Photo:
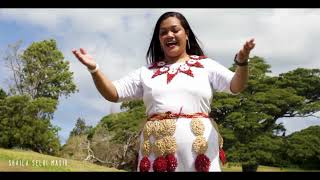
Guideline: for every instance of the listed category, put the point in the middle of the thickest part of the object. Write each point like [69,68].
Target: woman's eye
[162,32]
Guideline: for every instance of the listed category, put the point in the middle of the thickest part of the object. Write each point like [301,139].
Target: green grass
[233,167]
[21,160]
[25,161]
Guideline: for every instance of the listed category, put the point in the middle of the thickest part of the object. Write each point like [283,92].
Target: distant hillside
[20,160]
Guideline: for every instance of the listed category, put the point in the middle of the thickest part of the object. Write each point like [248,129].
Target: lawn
[233,167]
[21,160]
[25,161]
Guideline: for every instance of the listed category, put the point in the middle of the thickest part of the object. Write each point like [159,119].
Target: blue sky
[118,39]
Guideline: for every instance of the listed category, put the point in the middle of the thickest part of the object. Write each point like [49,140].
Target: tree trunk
[249,167]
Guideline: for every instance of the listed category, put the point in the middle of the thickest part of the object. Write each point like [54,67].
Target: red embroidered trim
[160,71]
[196,64]
[172,72]
[197,57]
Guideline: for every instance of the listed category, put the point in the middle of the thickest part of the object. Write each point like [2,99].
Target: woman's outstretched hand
[243,54]
[85,58]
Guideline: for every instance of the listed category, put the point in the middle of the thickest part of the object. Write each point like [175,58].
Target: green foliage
[80,128]
[263,152]
[248,120]
[305,81]
[3,94]
[114,140]
[128,105]
[302,148]
[125,123]
[75,148]
[123,130]
[40,76]
[25,123]
[41,71]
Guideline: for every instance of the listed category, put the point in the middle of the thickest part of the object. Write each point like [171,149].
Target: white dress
[189,90]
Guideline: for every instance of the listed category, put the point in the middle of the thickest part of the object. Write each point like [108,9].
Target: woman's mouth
[171,44]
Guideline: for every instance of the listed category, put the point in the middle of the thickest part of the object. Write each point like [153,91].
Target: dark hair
[155,53]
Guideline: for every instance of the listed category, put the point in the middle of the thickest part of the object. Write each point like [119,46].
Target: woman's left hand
[243,54]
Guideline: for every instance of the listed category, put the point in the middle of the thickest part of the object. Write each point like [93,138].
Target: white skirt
[184,154]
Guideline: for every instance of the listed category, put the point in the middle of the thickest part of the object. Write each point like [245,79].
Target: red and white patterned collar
[172,71]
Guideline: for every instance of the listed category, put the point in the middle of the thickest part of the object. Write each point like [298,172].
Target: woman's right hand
[85,58]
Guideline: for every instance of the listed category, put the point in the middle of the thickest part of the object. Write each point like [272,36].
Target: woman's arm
[240,79]
[105,86]
[102,83]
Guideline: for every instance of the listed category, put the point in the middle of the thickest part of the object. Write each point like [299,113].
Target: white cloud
[279,32]
[40,17]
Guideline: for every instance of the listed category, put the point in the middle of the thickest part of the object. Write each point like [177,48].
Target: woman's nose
[170,33]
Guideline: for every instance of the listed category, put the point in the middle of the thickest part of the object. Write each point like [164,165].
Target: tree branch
[14,64]
[311,115]
[91,155]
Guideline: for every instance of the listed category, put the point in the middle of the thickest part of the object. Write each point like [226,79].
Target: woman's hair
[155,53]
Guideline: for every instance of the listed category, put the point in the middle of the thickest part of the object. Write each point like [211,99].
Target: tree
[3,94]
[306,83]
[113,141]
[14,64]
[40,70]
[248,120]
[302,148]
[40,75]
[80,128]
[75,148]
[25,123]
[129,105]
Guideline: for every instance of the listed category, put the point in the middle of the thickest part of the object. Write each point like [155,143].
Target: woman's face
[172,37]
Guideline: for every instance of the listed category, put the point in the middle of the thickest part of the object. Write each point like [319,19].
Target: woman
[177,87]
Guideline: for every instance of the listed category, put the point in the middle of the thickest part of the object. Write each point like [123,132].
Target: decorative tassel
[145,164]
[172,163]
[202,163]
[222,156]
[160,164]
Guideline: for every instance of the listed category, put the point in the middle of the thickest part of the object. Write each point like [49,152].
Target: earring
[188,43]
